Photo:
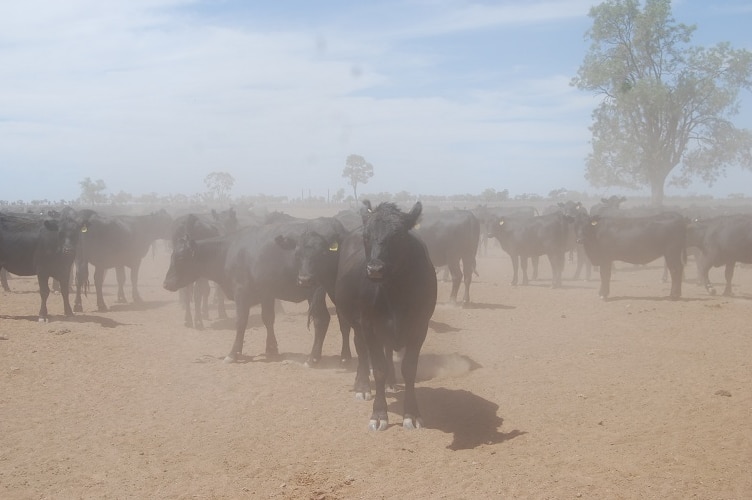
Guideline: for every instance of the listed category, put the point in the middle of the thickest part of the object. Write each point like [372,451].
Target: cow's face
[585,226]
[494,227]
[183,265]
[67,231]
[386,236]
[313,255]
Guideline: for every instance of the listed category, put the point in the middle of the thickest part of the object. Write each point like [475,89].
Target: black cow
[316,258]
[386,288]
[119,241]
[488,215]
[252,269]
[608,206]
[452,236]
[523,237]
[573,210]
[201,226]
[637,240]
[46,248]
[723,241]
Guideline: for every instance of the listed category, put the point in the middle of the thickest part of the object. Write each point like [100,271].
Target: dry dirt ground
[527,393]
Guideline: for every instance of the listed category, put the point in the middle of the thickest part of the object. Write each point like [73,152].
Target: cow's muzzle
[305,280]
[375,271]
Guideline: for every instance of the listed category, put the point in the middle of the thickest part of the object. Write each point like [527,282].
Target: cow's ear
[413,215]
[51,224]
[285,242]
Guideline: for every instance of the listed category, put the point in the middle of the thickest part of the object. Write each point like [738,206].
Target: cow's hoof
[42,320]
[230,359]
[363,396]
[412,423]
[78,308]
[378,423]
[311,362]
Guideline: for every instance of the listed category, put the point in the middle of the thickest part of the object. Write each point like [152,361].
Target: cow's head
[183,265]
[315,255]
[585,226]
[494,226]
[386,236]
[66,231]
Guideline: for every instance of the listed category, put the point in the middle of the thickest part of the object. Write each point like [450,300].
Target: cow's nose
[375,270]
[305,280]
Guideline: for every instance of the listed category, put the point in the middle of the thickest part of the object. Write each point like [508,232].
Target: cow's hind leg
[134,283]
[454,270]
[267,316]
[676,270]
[242,309]
[120,276]
[98,282]
[44,292]
[605,270]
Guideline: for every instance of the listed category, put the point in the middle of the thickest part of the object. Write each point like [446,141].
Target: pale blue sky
[441,96]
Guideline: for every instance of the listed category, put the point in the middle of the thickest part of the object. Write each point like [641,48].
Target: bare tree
[357,170]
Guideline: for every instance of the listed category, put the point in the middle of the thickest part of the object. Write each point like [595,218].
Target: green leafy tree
[357,171]
[666,104]
[92,192]
[219,185]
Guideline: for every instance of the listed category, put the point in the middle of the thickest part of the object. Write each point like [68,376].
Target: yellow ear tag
[594,223]
[501,222]
[84,229]
[334,247]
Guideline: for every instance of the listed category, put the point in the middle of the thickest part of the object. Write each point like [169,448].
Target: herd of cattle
[378,266]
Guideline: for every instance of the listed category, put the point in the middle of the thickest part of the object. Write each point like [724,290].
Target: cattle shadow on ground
[471,419]
[100,320]
[439,327]
[78,318]
[483,305]
[138,306]
[664,298]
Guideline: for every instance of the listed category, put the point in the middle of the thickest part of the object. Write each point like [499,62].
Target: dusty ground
[529,393]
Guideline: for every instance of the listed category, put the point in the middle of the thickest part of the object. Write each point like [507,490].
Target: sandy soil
[528,393]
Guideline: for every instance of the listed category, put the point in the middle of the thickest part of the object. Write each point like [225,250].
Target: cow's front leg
[44,292]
